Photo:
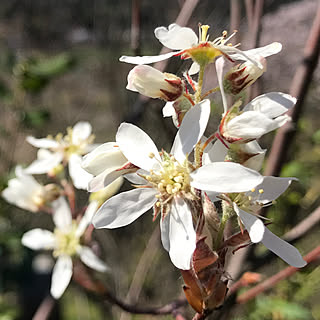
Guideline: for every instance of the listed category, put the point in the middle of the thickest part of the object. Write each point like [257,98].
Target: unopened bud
[242,76]
[152,83]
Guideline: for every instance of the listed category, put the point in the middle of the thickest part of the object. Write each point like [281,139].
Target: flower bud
[242,76]
[152,83]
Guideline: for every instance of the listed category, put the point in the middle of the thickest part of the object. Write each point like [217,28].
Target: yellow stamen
[204,31]
[261,191]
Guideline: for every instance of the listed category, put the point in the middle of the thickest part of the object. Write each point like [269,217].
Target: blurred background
[59,65]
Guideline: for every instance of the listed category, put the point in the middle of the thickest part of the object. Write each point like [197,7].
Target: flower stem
[209,92]
[200,84]
[227,212]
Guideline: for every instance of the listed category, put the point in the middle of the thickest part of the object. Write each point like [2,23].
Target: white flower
[65,243]
[26,193]
[168,182]
[152,83]
[246,204]
[190,46]
[67,149]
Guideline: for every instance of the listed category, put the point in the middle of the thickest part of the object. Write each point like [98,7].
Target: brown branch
[235,16]
[304,226]
[272,281]
[299,88]
[44,310]
[82,276]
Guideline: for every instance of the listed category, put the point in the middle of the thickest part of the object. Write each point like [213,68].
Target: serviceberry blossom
[25,192]
[201,50]
[62,150]
[65,242]
[168,182]
[247,205]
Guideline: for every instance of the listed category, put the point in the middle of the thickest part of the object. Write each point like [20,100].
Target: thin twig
[142,269]
[135,27]
[272,281]
[299,87]
[45,308]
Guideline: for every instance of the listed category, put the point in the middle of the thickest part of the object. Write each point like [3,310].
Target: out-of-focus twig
[235,16]
[299,87]
[82,276]
[44,309]
[272,281]
[135,27]
[143,266]
[304,226]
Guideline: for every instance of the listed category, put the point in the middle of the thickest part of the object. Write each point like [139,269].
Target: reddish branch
[272,281]
[299,88]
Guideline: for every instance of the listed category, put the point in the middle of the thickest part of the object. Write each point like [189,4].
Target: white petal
[225,177]
[283,249]
[219,67]
[61,214]
[272,188]
[191,130]
[80,177]
[46,161]
[135,178]
[147,59]
[272,104]
[88,257]
[106,156]
[38,239]
[176,37]
[105,179]
[182,236]
[194,69]
[87,217]
[165,231]
[253,224]
[61,276]
[42,143]
[124,208]
[265,51]
[217,153]
[81,131]
[249,125]
[168,109]
[137,146]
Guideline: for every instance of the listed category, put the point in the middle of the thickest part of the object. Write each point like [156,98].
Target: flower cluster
[57,198]
[204,180]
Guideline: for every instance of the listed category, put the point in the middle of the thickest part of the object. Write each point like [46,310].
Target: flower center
[67,241]
[248,201]
[171,179]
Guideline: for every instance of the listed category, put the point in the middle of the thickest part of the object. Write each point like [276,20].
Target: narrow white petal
[165,231]
[272,188]
[253,224]
[46,161]
[168,109]
[81,131]
[87,217]
[105,179]
[191,130]
[124,208]
[176,37]
[272,104]
[283,249]
[137,146]
[80,177]
[217,153]
[194,69]
[38,239]
[61,214]
[266,51]
[219,67]
[182,236]
[61,276]
[249,125]
[89,258]
[147,59]
[42,143]
[135,178]
[225,177]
